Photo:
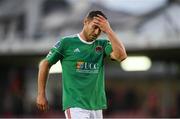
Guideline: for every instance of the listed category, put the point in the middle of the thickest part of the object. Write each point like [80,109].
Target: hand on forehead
[99,17]
[99,20]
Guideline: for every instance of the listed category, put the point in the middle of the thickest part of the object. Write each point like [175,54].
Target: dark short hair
[93,14]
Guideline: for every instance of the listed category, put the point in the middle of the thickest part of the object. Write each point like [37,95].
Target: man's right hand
[42,103]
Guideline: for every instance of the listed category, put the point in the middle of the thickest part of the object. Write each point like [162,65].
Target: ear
[85,21]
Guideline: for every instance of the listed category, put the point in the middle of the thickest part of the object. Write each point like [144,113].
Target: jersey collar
[82,40]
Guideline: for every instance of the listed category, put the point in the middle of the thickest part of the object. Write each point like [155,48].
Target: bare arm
[41,101]
[119,52]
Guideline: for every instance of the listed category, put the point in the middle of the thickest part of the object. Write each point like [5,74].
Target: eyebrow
[95,26]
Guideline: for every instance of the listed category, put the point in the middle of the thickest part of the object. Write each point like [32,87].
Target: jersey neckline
[82,40]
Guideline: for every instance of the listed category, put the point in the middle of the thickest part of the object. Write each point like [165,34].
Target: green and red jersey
[82,71]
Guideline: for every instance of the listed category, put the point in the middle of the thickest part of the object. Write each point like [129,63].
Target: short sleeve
[108,48]
[56,53]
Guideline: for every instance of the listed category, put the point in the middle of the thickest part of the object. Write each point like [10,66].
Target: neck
[83,36]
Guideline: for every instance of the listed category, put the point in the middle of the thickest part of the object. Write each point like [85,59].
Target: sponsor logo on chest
[87,67]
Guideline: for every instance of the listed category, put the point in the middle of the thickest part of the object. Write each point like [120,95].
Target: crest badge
[98,49]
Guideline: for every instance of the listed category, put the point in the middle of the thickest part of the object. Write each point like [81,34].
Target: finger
[97,24]
[39,107]
[101,17]
[46,107]
[98,18]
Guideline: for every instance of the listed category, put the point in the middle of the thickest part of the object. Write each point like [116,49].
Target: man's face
[91,30]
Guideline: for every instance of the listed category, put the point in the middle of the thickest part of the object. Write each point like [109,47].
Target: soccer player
[81,56]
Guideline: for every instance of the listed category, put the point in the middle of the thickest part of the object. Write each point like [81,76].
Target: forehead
[91,21]
[92,24]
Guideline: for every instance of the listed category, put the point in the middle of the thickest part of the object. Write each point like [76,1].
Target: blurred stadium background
[144,85]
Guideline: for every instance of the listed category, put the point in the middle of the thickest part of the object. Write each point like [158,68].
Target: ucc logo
[87,66]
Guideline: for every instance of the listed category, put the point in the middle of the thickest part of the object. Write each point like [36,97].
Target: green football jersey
[82,71]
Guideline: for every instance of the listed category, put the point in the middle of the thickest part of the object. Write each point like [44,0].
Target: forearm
[119,52]
[42,77]
[117,46]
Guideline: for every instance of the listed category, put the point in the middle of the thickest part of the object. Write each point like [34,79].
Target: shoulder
[66,39]
[102,41]
[70,37]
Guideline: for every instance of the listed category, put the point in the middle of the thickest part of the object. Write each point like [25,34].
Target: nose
[97,31]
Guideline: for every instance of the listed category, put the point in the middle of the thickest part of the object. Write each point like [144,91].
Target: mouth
[93,37]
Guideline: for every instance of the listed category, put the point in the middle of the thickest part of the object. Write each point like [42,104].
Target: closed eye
[95,27]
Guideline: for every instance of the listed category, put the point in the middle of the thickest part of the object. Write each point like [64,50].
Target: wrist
[109,32]
[41,94]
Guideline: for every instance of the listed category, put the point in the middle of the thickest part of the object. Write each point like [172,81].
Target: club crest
[99,49]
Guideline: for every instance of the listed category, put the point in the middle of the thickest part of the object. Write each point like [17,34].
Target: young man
[82,58]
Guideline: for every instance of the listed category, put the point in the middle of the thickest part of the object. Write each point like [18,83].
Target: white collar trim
[82,40]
